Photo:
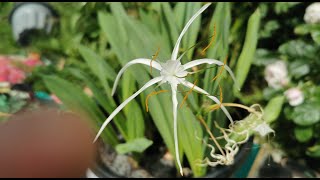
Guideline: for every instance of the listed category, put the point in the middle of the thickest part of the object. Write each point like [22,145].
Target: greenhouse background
[160,89]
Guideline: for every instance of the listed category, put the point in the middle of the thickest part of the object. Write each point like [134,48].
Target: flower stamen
[154,57]
[186,96]
[211,135]
[151,94]
[218,106]
[212,39]
[221,70]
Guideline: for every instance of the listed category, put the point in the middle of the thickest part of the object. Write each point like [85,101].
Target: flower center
[172,71]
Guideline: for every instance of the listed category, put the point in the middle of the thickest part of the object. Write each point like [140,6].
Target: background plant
[298,47]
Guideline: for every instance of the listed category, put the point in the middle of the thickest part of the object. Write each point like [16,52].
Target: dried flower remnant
[237,134]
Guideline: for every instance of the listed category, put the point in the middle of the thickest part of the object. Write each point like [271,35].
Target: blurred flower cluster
[276,75]
[14,69]
[13,72]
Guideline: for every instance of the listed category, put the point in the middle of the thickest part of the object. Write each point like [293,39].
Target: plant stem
[211,135]
[240,106]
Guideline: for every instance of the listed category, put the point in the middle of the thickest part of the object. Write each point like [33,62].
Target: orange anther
[186,96]
[151,94]
[153,58]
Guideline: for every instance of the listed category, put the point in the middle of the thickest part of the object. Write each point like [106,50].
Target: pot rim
[18,5]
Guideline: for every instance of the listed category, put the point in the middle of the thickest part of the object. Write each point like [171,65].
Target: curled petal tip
[181,172]
[95,139]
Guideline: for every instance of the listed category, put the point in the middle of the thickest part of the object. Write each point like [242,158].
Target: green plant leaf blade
[136,145]
[248,51]
[303,134]
[273,109]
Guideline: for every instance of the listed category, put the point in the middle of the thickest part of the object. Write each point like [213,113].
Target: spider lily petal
[176,47]
[211,61]
[155,65]
[216,100]
[175,125]
[122,105]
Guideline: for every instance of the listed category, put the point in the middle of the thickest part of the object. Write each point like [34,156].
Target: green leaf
[303,134]
[106,101]
[316,36]
[306,114]
[264,57]
[299,68]
[169,23]
[314,151]
[73,98]
[97,65]
[273,109]
[297,48]
[283,7]
[248,51]
[220,47]
[135,120]
[183,12]
[137,145]
[304,29]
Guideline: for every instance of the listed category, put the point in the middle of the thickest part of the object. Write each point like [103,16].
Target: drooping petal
[175,125]
[263,129]
[176,47]
[216,100]
[122,105]
[155,65]
[211,61]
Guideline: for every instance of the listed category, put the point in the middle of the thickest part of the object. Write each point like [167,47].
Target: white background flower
[294,96]
[312,14]
[276,74]
[173,73]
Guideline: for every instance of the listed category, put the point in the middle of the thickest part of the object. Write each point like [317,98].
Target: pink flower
[16,75]
[33,60]
[4,69]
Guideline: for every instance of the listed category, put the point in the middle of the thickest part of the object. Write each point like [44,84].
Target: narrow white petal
[122,105]
[216,100]
[201,61]
[155,65]
[211,61]
[176,47]
[175,125]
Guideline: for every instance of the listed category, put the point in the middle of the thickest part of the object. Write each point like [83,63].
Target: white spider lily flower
[312,14]
[173,73]
[276,74]
[294,96]
[263,129]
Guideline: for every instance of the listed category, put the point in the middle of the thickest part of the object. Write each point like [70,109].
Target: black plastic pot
[26,18]
[217,172]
